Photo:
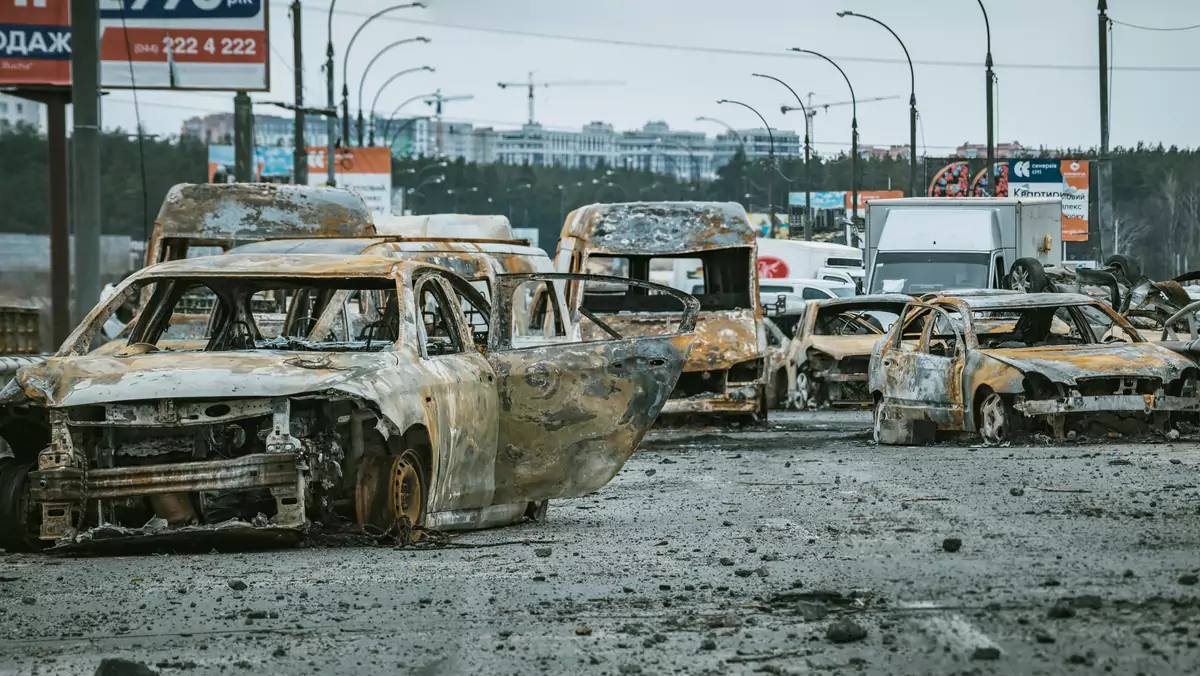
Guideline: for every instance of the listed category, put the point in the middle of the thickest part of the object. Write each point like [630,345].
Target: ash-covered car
[1002,365]
[830,352]
[420,419]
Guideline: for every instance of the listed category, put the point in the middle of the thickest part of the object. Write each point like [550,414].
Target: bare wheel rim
[1020,280]
[801,390]
[878,420]
[993,419]
[406,490]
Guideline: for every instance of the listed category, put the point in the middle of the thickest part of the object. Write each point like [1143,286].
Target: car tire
[390,489]
[800,402]
[1125,267]
[1028,276]
[18,519]
[994,420]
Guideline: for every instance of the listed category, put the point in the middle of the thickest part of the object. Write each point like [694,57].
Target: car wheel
[1125,268]
[876,433]
[407,490]
[1028,276]
[18,518]
[995,426]
[802,397]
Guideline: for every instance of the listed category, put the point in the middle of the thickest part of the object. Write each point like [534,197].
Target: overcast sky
[1045,53]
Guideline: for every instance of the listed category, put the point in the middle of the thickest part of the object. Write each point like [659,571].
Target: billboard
[827,199]
[366,171]
[184,44]
[865,195]
[1066,180]
[35,42]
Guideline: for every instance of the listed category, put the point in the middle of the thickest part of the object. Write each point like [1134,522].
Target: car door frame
[572,413]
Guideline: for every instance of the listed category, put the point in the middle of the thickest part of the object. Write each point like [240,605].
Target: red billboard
[35,42]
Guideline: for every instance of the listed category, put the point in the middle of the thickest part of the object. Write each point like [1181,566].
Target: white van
[797,259]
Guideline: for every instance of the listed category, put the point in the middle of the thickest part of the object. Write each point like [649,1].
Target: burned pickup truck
[1007,364]
[419,419]
[726,373]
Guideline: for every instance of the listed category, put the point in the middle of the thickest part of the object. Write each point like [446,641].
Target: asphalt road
[715,551]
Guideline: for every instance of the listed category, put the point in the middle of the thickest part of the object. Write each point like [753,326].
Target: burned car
[713,242]
[419,418]
[1007,364]
[830,352]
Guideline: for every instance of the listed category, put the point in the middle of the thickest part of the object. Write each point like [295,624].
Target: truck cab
[923,245]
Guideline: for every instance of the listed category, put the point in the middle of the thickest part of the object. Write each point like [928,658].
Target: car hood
[723,337]
[1068,364]
[92,379]
[839,347]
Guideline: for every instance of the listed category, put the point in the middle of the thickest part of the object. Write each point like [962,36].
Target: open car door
[572,413]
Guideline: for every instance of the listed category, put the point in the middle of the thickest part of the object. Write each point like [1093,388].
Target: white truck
[920,245]
[798,259]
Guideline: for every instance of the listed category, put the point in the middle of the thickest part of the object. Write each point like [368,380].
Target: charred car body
[830,353]
[419,418]
[726,373]
[999,365]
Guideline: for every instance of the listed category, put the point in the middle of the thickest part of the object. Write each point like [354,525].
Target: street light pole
[912,104]
[807,154]
[387,122]
[346,60]
[989,173]
[853,135]
[770,163]
[363,80]
[331,122]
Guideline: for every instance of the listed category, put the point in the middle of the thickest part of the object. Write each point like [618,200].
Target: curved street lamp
[989,173]
[770,161]
[807,154]
[331,120]
[363,80]
[393,78]
[387,123]
[731,130]
[853,132]
[346,58]
[912,104]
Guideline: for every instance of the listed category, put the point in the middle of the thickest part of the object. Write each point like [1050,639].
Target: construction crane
[437,101]
[530,85]
[814,108]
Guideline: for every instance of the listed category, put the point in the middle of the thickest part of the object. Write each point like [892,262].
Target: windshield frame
[980,262]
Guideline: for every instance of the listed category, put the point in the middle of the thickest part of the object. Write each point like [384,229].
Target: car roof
[275,265]
[877,298]
[821,283]
[1019,300]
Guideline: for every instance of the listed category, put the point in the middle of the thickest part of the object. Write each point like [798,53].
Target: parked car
[1001,365]
[831,350]
[418,419]
[725,374]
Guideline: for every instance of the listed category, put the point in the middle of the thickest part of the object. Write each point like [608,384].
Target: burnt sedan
[831,349]
[1003,365]
[387,407]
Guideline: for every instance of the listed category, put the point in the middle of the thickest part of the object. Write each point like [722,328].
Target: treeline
[1156,190]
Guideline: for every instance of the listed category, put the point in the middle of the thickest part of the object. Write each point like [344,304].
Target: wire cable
[756,53]
[1164,29]
[137,114]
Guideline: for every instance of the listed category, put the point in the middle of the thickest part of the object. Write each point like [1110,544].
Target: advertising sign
[1066,180]
[366,171]
[865,195]
[835,199]
[770,267]
[35,42]
[183,44]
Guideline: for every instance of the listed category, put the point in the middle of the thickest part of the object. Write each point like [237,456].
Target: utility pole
[300,152]
[85,161]
[1104,209]
[243,138]
[989,172]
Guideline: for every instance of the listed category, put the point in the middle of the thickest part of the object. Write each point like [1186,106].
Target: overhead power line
[749,52]
[1162,29]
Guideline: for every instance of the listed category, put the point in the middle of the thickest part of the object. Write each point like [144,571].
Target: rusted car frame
[415,421]
[726,373]
[830,352]
[956,365]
